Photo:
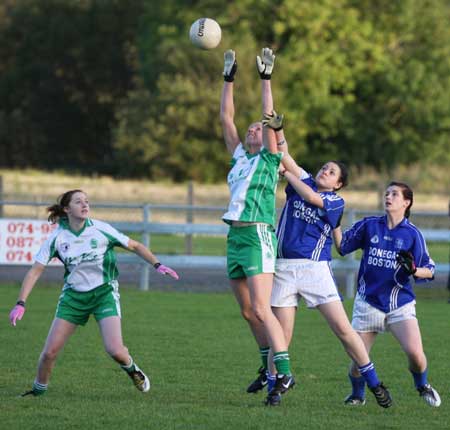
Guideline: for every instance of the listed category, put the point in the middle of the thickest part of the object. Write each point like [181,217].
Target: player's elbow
[226,118]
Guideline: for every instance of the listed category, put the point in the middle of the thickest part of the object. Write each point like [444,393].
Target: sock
[264,352]
[270,382]
[369,374]
[129,368]
[281,361]
[39,388]
[358,385]
[420,379]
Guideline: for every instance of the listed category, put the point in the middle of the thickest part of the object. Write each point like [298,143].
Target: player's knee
[343,331]
[247,313]
[417,358]
[49,354]
[261,312]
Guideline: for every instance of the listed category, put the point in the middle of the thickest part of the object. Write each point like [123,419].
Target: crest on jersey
[399,243]
[374,239]
[65,247]
[94,243]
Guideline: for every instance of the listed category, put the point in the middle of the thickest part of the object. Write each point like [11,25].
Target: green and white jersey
[253,182]
[88,255]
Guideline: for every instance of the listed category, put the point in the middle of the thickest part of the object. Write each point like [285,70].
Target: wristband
[20,303]
[156,265]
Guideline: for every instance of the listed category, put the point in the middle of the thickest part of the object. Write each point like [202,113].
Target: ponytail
[56,211]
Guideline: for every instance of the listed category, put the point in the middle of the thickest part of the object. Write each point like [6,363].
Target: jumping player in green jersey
[251,242]
[85,247]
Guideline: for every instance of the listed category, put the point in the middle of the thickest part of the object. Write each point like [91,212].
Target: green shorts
[76,307]
[251,250]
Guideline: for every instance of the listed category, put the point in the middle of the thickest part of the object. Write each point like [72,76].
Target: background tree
[116,87]
[64,70]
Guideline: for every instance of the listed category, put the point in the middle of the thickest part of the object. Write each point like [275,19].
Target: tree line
[115,86]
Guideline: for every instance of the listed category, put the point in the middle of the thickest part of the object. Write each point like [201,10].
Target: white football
[205,33]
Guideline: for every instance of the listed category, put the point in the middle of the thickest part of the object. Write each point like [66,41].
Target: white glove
[230,65]
[265,63]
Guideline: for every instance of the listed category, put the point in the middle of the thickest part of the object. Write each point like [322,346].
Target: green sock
[39,389]
[129,368]
[281,361]
[264,351]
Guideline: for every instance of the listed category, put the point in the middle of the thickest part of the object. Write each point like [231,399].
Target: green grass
[200,356]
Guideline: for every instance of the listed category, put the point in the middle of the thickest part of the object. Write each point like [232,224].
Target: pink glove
[16,314]
[164,270]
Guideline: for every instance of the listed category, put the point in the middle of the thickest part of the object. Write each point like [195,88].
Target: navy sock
[358,386]
[270,381]
[369,374]
[420,379]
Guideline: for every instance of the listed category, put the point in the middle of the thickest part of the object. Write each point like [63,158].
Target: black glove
[230,66]
[406,260]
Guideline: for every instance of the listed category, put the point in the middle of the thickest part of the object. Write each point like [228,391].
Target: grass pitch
[200,357]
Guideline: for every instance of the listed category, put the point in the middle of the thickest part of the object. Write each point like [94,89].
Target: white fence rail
[189,229]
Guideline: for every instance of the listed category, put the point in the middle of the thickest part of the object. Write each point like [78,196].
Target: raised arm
[304,190]
[264,65]
[269,135]
[229,129]
[287,161]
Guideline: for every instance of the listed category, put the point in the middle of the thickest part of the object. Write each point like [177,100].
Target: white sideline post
[145,268]
[350,274]
[189,217]
[1,196]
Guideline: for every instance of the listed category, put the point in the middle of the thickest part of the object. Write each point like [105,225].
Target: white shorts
[367,318]
[296,278]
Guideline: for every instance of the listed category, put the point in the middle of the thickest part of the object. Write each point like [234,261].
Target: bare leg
[111,331]
[408,334]
[338,321]
[242,294]
[260,287]
[59,333]
[368,339]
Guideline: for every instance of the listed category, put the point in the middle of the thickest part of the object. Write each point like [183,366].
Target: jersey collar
[402,223]
[64,223]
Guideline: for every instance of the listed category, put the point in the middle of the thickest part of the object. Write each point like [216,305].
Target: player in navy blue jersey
[393,251]
[310,216]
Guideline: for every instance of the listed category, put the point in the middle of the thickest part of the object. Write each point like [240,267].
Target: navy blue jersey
[382,282]
[304,230]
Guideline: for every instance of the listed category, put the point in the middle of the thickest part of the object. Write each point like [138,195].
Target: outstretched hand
[406,260]
[265,63]
[230,66]
[164,270]
[273,121]
[16,314]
